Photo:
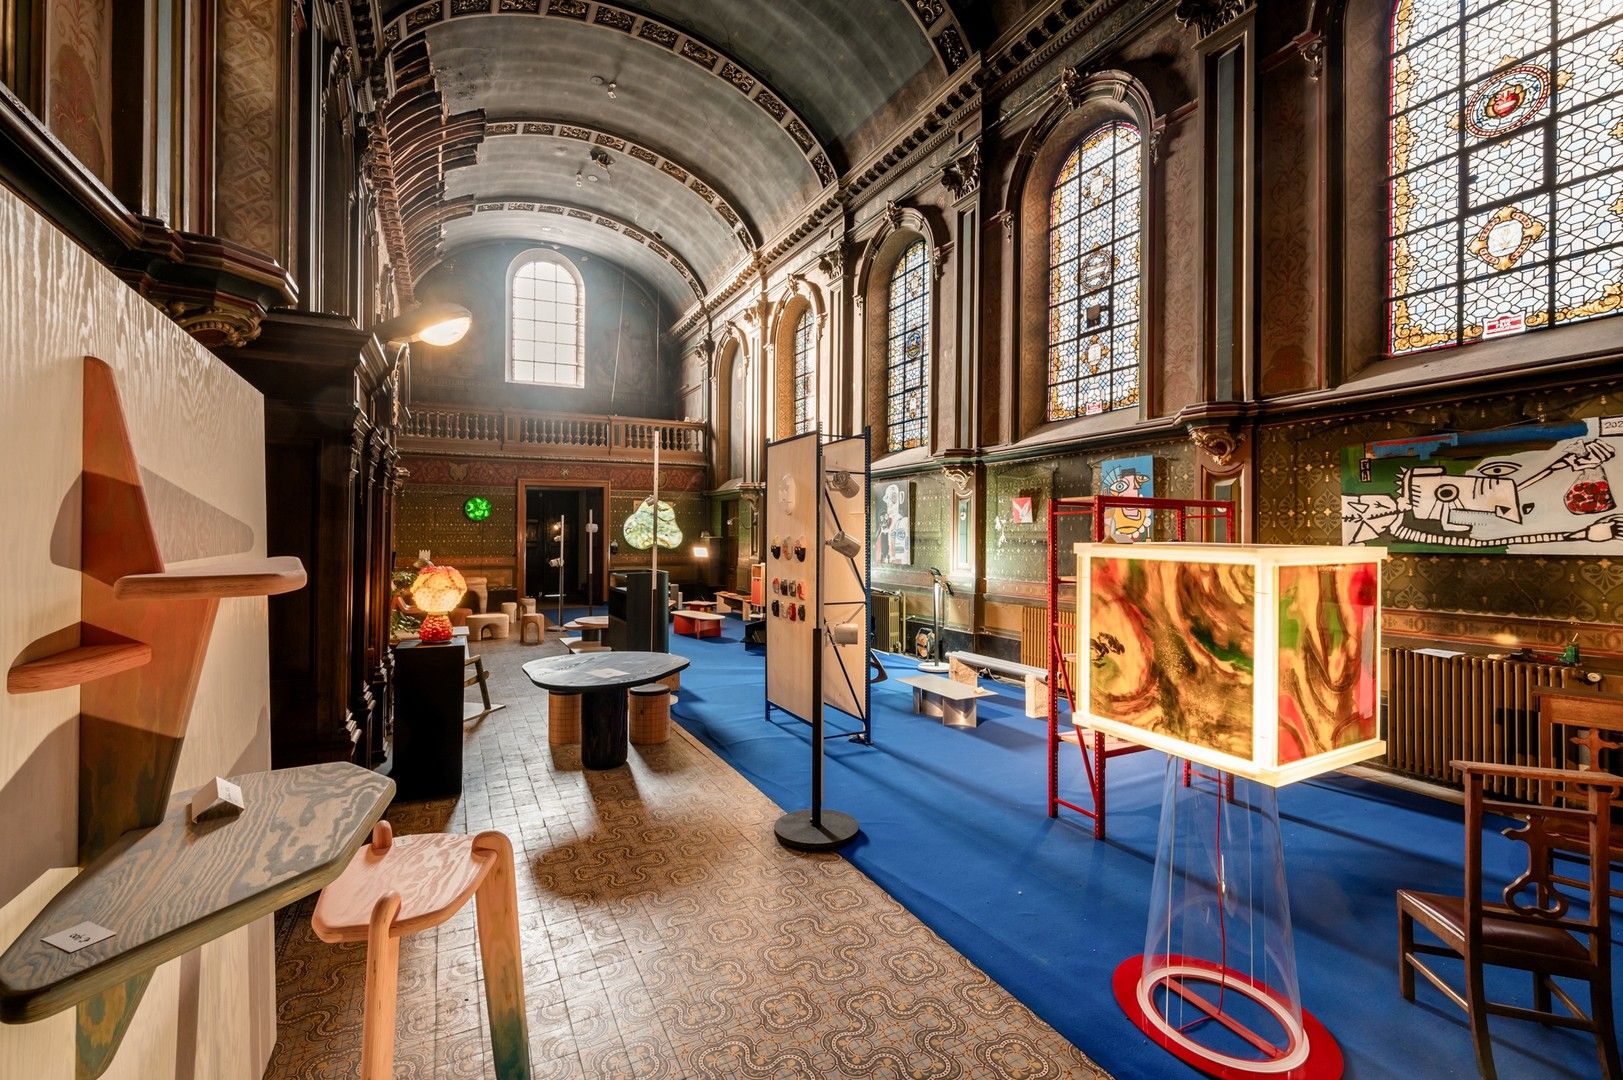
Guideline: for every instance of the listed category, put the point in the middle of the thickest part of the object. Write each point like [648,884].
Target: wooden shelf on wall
[73,667]
[215,581]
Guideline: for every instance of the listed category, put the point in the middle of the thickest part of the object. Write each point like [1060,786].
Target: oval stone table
[602,679]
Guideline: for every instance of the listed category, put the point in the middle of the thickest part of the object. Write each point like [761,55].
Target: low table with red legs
[699,624]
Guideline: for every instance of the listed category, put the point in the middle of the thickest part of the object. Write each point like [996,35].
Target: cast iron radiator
[1464,708]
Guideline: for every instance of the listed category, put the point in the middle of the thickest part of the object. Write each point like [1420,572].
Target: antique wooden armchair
[1579,729]
[1534,930]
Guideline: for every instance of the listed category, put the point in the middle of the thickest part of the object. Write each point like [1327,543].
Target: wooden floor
[666,934]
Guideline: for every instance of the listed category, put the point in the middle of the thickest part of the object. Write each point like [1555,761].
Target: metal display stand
[819,624]
[1103,748]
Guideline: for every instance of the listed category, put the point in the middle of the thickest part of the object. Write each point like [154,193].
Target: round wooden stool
[563,719]
[649,714]
[397,887]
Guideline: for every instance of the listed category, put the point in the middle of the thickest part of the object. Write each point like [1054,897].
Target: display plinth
[1216,985]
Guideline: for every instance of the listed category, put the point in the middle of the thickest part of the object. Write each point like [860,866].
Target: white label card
[608,673]
[78,937]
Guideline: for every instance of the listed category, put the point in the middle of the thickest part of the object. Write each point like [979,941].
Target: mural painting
[1534,489]
[893,534]
[1131,477]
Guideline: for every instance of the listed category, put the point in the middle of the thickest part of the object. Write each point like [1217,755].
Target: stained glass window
[907,350]
[1094,215]
[1506,144]
[805,372]
[546,345]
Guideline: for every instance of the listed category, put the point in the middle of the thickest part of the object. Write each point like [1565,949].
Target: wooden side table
[394,887]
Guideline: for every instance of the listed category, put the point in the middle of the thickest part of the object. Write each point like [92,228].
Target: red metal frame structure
[1183,511]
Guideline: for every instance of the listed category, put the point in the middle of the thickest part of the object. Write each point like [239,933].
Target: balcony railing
[450,429]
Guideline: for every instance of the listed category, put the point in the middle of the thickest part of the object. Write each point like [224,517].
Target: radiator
[1464,708]
[1034,636]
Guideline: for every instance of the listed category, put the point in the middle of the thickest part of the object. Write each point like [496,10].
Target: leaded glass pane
[1506,149]
[545,325]
[1093,266]
[805,372]
[907,350]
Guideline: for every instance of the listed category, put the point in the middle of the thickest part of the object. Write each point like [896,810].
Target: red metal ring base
[1312,1053]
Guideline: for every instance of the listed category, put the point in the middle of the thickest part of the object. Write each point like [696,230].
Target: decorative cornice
[639,27]
[599,219]
[679,171]
[943,30]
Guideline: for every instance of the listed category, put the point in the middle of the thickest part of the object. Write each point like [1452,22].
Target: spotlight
[843,483]
[845,545]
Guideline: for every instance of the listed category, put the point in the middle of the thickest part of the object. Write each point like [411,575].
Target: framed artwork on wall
[1020,512]
[893,532]
[1129,477]
[963,519]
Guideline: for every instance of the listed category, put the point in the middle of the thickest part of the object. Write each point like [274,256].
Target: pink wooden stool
[397,887]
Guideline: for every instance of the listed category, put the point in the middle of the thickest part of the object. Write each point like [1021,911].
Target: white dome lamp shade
[437,322]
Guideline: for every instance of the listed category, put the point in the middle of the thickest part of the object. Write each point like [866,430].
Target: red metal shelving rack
[1093,507]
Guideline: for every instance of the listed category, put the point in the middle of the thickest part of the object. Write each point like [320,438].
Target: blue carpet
[954,827]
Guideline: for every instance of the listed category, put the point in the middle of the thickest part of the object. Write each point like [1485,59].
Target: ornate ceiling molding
[634,24]
[598,219]
[942,29]
[681,172]
[412,146]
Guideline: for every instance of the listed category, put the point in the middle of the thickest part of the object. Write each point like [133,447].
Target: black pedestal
[427,760]
[833,830]
[603,735]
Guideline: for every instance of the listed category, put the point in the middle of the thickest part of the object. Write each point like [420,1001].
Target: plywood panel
[197,431]
[844,586]
[791,498]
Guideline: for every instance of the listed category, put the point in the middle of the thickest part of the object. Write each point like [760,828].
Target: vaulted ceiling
[669,135]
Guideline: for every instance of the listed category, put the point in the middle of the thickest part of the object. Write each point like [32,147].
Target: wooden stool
[528,604]
[673,683]
[563,719]
[532,620]
[496,624]
[397,887]
[649,713]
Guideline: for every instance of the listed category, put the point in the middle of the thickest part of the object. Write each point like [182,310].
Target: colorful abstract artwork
[1173,648]
[1131,477]
[647,522]
[1020,512]
[1535,489]
[893,530]
[1506,191]
[1328,693]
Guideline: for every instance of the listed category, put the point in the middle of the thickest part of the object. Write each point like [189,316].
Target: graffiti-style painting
[1020,510]
[1535,489]
[1173,647]
[1132,477]
[893,532]
[1328,640]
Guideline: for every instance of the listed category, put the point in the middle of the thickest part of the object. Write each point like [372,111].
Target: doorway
[557,558]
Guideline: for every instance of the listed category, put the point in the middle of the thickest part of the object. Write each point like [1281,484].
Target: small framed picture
[1020,510]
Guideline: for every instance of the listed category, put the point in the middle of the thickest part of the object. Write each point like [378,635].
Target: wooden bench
[738,603]
[953,701]
[495,625]
[968,667]
[699,624]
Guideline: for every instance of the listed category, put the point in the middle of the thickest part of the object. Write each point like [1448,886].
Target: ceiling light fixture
[580,179]
[436,322]
[612,89]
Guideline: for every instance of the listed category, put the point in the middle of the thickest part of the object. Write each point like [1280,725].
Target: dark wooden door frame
[602,561]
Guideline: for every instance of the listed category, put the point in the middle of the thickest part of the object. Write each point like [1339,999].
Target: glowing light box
[1258,660]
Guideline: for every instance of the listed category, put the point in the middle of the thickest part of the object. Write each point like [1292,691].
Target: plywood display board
[844,584]
[792,496]
[1258,660]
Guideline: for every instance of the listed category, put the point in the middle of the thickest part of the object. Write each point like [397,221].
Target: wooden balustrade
[449,429]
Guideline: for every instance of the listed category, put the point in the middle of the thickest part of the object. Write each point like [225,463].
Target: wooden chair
[397,887]
[1583,730]
[1534,930]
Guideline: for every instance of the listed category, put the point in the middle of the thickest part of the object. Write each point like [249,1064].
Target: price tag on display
[79,937]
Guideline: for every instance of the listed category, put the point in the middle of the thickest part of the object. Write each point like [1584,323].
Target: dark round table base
[603,735]
[797,831]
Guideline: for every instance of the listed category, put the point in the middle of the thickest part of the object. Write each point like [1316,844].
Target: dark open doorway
[545,508]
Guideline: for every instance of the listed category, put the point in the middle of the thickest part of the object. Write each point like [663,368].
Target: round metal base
[934,667]
[796,830]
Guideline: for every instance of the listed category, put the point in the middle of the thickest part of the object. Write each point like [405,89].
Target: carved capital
[1071,86]
[216,325]
[893,214]
[1006,220]
[962,174]
[961,478]
[1210,16]
[832,262]
[1219,443]
[1313,53]
[939,257]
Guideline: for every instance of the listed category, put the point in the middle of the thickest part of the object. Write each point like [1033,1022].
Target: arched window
[907,350]
[805,372]
[1506,201]
[1094,216]
[546,343]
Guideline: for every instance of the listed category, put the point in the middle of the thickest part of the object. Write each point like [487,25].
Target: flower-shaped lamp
[436,592]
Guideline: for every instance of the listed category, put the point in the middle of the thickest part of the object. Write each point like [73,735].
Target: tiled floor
[665,934]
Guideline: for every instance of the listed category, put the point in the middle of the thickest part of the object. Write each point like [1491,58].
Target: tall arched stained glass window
[1506,140]
[805,372]
[1094,217]
[907,350]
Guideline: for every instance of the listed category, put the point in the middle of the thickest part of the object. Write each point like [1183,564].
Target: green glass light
[476,508]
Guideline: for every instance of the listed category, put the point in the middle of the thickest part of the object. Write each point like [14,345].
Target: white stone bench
[953,701]
[968,667]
